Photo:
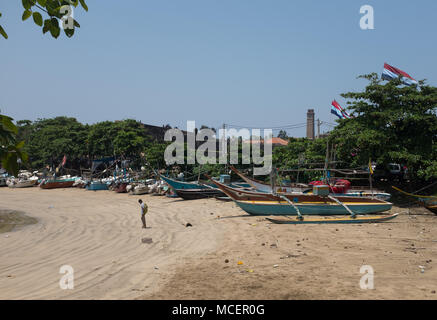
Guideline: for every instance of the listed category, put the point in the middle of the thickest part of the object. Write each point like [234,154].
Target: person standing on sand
[143,212]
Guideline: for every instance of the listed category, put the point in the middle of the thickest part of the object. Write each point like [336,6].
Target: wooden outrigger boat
[54,184]
[302,188]
[257,203]
[140,189]
[177,185]
[97,185]
[121,187]
[192,194]
[193,190]
[429,202]
[263,187]
[23,184]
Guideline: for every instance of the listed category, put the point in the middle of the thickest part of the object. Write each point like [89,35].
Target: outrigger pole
[353,215]
[299,215]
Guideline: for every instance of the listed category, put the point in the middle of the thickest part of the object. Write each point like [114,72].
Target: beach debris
[428,261]
[273,245]
[275,265]
[240,263]
[155,267]
[188,225]
[7,236]
[146,240]
[51,206]
[250,270]
[226,260]
[422,269]
[290,256]
[253,224]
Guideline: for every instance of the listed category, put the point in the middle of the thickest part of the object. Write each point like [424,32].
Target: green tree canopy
[11,151]
[391,123]
[51,139]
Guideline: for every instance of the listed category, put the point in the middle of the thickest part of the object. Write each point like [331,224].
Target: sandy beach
[99,234]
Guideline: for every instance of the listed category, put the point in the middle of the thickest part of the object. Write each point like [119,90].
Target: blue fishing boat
[97,185]
[258,203]
[307,189]
[176,184]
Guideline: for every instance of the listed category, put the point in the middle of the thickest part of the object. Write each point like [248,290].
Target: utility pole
[318,129]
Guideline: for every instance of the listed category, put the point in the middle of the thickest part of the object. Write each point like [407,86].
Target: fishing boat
[263,187]
[192,194]
[56,183]
[336,190]
[257,203]
[121,187]
[96,185]
[179,185]
[429,202]
[22,183]
[140,189]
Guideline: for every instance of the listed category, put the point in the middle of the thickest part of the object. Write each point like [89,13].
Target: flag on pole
[390,73]
[370,167]
[337,110]
[64,160]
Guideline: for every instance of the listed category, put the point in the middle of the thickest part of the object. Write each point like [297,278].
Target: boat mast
[325,171]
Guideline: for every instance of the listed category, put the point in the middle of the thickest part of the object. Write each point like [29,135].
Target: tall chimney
[310,124]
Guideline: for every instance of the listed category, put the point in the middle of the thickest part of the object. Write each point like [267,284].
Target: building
[275,142]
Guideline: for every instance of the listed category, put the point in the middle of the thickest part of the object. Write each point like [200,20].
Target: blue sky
[253,63]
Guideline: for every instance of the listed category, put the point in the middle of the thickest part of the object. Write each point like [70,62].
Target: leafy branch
[57,12]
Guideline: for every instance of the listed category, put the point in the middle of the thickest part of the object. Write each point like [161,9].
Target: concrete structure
[310,124]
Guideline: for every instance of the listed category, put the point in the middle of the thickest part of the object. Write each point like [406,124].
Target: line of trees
[48,140]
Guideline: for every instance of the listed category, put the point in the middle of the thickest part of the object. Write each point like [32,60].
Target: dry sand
[99,234]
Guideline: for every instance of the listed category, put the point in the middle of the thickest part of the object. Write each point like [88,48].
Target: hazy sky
[254,63]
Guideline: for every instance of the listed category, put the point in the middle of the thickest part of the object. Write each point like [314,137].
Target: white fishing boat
[14,183]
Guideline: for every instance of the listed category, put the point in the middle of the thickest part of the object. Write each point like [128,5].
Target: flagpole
[370,177]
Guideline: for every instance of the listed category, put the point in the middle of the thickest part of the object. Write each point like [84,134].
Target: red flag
[64,160]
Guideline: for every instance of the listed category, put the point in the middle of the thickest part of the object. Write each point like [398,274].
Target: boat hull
[23,184]
[57,184]
[193,194]
[139,191]
[284,209]
[121,188]
[179,185]
[97,186]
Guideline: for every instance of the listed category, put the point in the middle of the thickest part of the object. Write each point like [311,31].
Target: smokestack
[310,124]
